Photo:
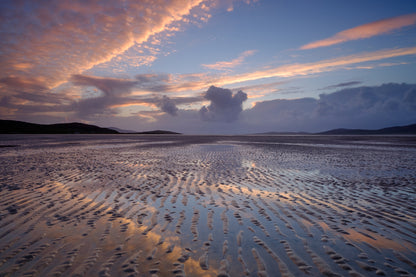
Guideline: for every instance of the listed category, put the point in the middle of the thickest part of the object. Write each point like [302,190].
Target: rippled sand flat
[129,205]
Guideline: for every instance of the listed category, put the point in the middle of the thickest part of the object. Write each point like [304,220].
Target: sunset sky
[199,67]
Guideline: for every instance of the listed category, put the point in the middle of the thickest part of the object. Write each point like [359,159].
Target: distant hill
[281,133]
[397,130]
[158,132]
[20,127]
[122,131]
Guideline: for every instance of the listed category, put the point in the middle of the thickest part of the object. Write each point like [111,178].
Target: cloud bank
[366,107]
[360,107]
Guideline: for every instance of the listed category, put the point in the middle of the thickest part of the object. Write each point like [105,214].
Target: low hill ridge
[396,130]
[21,127]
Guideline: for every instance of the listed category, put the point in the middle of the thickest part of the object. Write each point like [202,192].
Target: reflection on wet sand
[217,209]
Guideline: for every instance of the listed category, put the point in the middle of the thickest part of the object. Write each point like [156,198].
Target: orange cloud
[196,82]
[133,103]
[230,64]
[365,31]
[86,34]
[316,67]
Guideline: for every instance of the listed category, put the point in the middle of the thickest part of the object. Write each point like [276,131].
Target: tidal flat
[177,205]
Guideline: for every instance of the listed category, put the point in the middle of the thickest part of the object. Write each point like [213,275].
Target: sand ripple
[208,206]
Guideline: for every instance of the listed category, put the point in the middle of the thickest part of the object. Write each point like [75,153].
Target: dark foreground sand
[130,205]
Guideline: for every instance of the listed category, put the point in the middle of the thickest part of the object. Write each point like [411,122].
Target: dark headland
[20,127]
[396,130]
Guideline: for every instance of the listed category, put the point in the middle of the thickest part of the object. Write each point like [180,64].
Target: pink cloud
[52,42]
[365,31]
[304,69]
[183,82]
[223,65]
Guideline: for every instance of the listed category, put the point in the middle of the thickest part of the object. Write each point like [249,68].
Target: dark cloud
[188,100]
[118,92]
[114,91]
[28,99]
[146,79]
[23,84]
[168,83]
[22,89]
[281,115]
[370,106]
[224,105]
[154,82]
[360,107]
[167,105]
[111,87]
[342,85]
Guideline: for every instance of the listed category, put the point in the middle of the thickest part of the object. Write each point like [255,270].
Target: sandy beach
[130,205]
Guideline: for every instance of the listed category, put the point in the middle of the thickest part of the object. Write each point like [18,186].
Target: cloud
[18,90]
[341,85]
[365,31]
[281,115]
[167,105]
[360,107]
[363,101]
[305,69]
[184,82]
[168,83]
[99,97]
[26,99]
[23,84]
[224,65]
[52,41]
[114,91]
[224,105]
[110,86]
[118,93]
[145,79]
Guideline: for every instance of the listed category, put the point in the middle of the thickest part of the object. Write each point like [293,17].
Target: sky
[209,66]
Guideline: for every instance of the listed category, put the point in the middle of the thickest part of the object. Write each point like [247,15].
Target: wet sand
[129,205]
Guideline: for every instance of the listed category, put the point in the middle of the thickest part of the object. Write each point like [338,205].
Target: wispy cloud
[304,69]
[365,31]
[225,65]
[342,85]
[196,82]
